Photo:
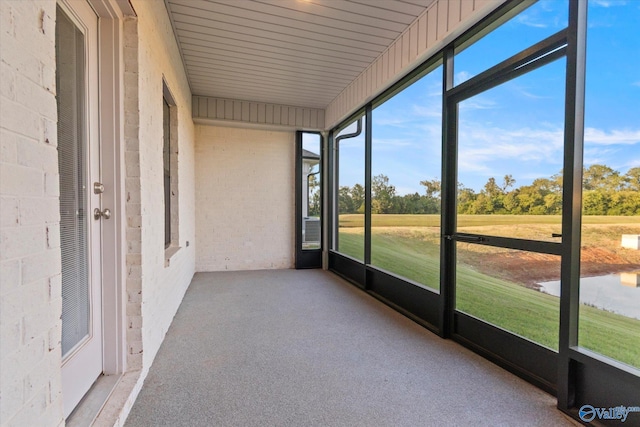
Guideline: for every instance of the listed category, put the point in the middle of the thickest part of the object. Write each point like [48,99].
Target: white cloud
[532,95]
[636,84]
[409,118]
[486,150]
[483,146]
[396,121]
[614,137]
[430,130]
[434,111]
[527,20]
[611,158]
[598,155]
[357,143]
[391,144]
[633,163]
[608,3]
[461,77]
[522,90]
[435,89]
[477,103]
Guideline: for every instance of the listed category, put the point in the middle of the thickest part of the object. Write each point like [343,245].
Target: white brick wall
[157,291]
[30,308]
[133,233]
[30,283]
[244,198]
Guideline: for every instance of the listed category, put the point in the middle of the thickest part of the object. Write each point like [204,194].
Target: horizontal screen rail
[552,248]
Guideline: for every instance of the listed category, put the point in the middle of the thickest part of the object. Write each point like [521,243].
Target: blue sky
[517,127]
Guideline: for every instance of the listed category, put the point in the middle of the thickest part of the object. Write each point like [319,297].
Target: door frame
[539,367]
[309,258]
[80,360]
[110,15]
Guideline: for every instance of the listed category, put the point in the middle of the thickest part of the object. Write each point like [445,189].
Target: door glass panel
[350,239]
[503,287]
[70,83]
[530,26]
[510,144]
[609,321]
[311,150]
[406,168]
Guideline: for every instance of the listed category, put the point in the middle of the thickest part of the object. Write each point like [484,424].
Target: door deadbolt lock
[98,188]
[97,213]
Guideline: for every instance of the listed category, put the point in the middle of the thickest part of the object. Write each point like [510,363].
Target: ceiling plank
[207,40]
[348,13]
[309,12]
[410,8]
[254,19]
[288,52]
[329,77]
[316,45]
[257,59]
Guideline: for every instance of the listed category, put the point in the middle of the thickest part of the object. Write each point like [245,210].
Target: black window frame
[575,375]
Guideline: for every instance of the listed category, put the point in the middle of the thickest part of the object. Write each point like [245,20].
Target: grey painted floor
[305,348]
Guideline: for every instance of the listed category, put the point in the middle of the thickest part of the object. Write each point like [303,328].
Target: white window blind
[70,82]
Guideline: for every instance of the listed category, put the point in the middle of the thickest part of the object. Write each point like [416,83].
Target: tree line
[605,192]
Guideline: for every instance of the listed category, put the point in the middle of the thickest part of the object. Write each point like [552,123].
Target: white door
[79,167]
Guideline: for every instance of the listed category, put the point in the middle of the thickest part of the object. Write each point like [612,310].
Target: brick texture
[155,285]
[244,198]
[30,390]
[30,270]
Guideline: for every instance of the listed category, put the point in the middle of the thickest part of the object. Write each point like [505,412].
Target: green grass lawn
[392,220]
[523,311]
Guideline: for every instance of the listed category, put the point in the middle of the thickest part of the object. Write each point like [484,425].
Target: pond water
[618,293]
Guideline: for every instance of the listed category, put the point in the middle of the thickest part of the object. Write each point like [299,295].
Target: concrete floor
[305,348]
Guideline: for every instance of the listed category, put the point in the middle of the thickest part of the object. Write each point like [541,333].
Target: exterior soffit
[288,52]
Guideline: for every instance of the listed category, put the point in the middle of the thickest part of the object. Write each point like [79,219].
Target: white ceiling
[290,52]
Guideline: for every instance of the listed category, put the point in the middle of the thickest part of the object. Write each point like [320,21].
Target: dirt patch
[601,254]
[526,268]
[600,261]
[529,269]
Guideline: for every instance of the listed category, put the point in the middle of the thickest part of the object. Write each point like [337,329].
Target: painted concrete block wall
[440,24]
[162,286]
[133,209]
[30,280]
[244,198]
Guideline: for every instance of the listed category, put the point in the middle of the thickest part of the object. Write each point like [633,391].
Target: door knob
[97,213]
[98,188]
